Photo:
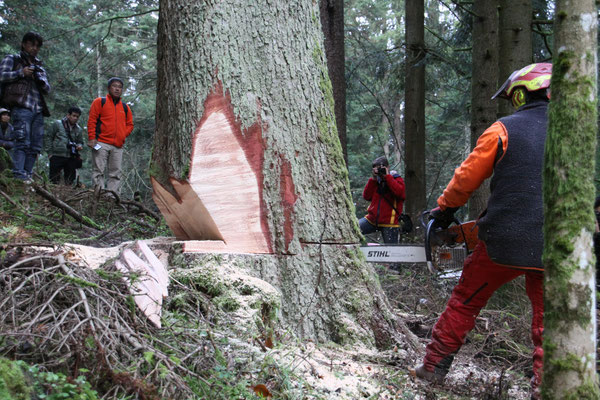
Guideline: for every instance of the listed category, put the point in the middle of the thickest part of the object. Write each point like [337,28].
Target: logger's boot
[436,376]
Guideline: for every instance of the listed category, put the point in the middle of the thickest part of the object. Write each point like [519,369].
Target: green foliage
[13,384]
[222,384]
[5,160]
[76,281]
[57,386]
[20,381]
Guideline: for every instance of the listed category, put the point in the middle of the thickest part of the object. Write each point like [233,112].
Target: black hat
[115,79]
[380,161]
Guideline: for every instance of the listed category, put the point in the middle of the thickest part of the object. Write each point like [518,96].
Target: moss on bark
[568,189]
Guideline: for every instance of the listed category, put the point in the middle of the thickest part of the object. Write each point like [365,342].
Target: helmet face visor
[500,91]
[532,77]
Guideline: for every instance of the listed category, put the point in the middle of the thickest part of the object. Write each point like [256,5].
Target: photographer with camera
[24,85]
[385,191]
[62,144]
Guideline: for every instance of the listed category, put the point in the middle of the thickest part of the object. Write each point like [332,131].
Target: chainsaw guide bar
[444,249]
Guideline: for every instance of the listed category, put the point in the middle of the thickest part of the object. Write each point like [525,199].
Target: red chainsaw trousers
[480,278]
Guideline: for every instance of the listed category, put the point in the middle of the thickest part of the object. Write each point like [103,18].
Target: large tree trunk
[483,85]
[414,110]
[515,42]
[247,160]
[332,20]
[569,292]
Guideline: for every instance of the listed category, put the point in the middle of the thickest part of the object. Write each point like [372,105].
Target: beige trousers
[108,158]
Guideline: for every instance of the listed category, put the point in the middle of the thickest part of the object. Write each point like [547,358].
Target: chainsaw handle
[428,232]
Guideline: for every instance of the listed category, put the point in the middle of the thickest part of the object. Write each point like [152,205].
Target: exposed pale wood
[158,269]
[221,198]
[151,283]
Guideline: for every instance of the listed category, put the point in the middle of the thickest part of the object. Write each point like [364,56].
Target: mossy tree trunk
[414,110]
[483,85]
[332,20]
[515,46]
[255,74]
[569,297]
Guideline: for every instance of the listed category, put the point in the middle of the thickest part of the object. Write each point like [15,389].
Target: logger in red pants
[510,229]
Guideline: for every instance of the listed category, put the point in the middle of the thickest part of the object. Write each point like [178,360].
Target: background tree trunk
[101,87]
[515,42]
[569,291]
[414,110]
[332,20]
[249,79]
[483,85]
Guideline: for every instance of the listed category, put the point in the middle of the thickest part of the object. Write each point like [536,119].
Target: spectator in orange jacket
[385,191]
[110,121]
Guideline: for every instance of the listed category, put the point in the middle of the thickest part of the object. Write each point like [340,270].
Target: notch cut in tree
[219,207]
[246,156]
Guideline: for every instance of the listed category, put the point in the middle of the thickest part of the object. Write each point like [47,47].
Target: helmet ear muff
[519,98]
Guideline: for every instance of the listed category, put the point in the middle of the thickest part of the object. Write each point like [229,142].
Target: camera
[381,171]
[72,146]
[37,70]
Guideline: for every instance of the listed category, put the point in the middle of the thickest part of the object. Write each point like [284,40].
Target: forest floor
[493,364]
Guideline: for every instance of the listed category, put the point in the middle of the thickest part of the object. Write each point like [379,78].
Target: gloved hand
[443,218]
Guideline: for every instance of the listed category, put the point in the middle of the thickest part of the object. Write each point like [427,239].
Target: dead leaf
[261,390]
[269,342]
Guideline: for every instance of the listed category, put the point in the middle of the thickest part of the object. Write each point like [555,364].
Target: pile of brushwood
[63,317]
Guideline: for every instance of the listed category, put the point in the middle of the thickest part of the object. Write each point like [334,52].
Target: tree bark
[246,156]
[516,49]
[483,85]
[569,291]
[332,21]
[414,124]
[99,84]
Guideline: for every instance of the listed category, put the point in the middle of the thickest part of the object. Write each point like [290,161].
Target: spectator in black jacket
[7,139]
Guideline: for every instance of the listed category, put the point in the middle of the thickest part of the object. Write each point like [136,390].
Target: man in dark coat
[24,85]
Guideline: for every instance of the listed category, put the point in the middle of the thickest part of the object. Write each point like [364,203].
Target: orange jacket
[108,123]
[478,166]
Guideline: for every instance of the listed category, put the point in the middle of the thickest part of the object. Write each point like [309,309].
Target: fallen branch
[11,201]
[62,205]
[142,208]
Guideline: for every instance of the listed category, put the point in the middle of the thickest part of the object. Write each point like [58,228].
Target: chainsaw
[443,250]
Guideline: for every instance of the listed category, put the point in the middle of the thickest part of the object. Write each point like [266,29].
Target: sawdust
[334,373]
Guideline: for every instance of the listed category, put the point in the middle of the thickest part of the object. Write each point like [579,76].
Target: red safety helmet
[530,78]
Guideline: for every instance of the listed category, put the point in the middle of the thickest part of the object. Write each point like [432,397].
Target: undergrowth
[105,219]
